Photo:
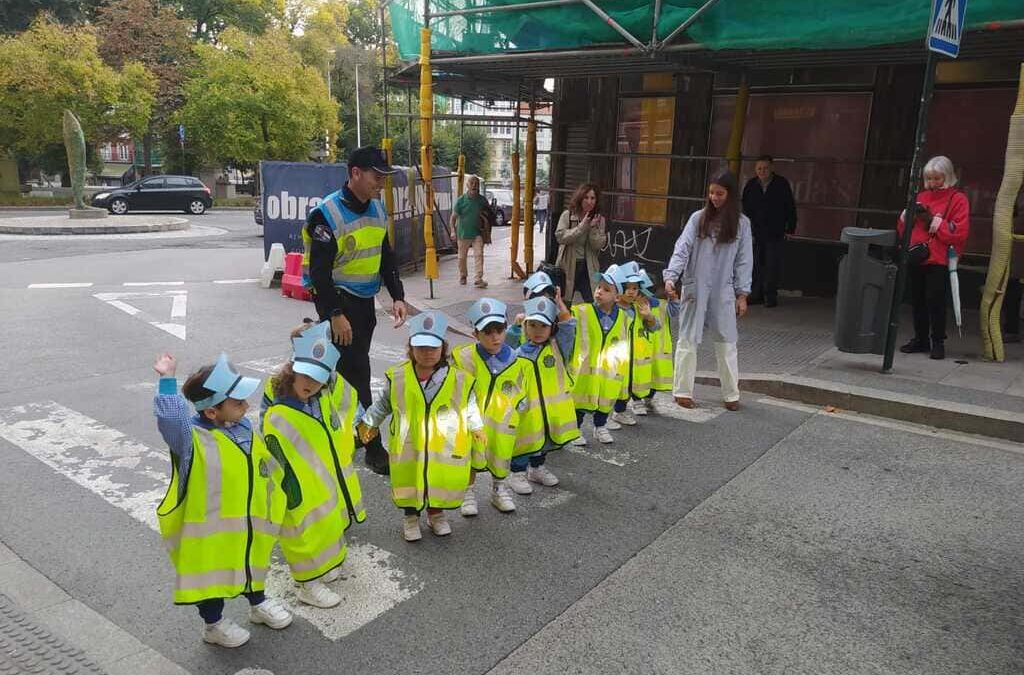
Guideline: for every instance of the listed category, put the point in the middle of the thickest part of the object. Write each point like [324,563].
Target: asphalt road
[774,540]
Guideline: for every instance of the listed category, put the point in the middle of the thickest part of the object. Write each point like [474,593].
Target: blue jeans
[600,418]
[536,459]
[620,405]
[213,609]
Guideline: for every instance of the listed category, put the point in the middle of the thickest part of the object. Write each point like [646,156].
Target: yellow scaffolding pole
[1002,234]
[462,175]
[426,157]
[739,121]
[531,177]
[389,195]
[517,271]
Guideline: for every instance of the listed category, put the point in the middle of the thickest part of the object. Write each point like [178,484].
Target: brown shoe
[462,281]
[732,406]
[480,284]
[685,402]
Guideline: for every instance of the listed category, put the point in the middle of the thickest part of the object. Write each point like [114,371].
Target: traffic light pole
[913,185]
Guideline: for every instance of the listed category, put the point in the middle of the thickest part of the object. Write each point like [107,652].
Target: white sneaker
[517,481]
[468,508]
[317,594]
[271,612]
[439,524]
[602,435]
[411,528]
[612,424]
[501,497]
[640,407]
[624,417]
[225,633]
[541,474]
[580,442]
[332,576]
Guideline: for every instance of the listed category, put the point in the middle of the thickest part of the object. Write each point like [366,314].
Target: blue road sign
[947,26]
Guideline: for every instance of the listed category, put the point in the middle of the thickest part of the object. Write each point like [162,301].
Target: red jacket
[956,224]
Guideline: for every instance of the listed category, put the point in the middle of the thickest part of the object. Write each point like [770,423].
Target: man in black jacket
[768,202]
[344,286]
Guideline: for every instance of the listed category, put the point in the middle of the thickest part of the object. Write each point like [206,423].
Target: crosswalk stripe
[133,477]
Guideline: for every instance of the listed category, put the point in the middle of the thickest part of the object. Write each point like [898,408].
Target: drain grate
[28,649]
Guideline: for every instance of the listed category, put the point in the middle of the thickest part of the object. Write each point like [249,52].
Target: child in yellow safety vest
[643,327]
[549,421]
[436,434]
[500,386]
[661,342]
[219,469]
[310,429]
[600,360]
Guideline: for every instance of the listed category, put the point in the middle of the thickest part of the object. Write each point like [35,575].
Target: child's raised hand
[520,317]
[643,306]
[166,365]
[366,433]
[562,309]
[480,436]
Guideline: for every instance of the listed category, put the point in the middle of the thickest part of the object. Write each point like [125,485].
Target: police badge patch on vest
[350,243]
[509,388]
[549,361]
[264,469]
[322,232]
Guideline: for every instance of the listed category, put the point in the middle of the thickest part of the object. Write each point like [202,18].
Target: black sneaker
[938,351]
[915,346]
[377,462]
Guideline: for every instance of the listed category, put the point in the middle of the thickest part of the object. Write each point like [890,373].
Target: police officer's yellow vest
[221,531]
[550,414]
[641,356]
[600,360]
[430,448]
[359,237]
[319,453]
[663,363]
[501,398]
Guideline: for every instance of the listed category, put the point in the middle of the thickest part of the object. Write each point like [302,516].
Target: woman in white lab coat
[709,273]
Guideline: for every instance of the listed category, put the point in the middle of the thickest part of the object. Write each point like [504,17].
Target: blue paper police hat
[427,329]
[487,311]
[540,309]
[618,276]
[314,354]
[536,283]
[225,382]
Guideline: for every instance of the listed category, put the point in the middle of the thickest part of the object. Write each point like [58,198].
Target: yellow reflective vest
[319,453]
[430,446]
[221,531]
[360,238]
[641,357]
[600,360]
[663,364]
[550,415]
[501,397]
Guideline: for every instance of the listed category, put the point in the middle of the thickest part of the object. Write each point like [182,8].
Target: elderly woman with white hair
[941,222]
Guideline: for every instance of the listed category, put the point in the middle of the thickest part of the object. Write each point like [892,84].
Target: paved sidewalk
[788,352]
[45,630]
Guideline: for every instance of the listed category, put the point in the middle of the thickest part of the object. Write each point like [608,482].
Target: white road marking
[370,585]
[67,285]
[134,477]
[179,304]
[126,473]
[236,281]
[153,283]
[549,497]
[604,452]
[140,386]
[268,366]
[919,429]
[388,353]
[665,406]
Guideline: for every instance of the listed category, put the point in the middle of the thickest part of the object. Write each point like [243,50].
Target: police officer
[349,258]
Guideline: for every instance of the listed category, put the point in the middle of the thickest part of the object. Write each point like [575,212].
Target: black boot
[938,350]
[377,460]
[916,346]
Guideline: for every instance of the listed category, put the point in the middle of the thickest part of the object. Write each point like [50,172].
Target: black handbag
[556,273]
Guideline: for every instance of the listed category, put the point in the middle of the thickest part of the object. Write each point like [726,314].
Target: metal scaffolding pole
[506,8]
[689,22]
[615,25]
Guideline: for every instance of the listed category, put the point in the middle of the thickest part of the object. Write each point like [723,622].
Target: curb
[962,417]
[174,224]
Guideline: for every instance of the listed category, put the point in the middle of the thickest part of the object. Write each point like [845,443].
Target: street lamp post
[359,122]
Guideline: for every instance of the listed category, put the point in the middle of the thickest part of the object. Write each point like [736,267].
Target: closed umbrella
[954,290]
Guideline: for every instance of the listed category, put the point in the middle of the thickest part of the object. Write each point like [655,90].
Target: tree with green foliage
[17,15]
[251,98]
[209,18]
[152,34]
[49,68]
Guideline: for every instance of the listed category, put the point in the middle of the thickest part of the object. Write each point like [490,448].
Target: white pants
[686,369]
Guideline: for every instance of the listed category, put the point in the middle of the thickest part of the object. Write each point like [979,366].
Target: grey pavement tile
[101,640]
[6,555]
[149,662]
[29,588]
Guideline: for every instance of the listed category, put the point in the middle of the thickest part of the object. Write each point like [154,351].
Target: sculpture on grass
[74,143]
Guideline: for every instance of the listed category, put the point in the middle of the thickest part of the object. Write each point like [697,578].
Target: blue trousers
[600,418]
[212,610]
[620,405]
[536,459]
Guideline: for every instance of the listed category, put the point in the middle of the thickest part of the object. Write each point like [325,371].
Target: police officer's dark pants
[354,364]
[767,268]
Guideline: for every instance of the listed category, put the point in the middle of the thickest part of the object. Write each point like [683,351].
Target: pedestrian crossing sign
[947,26]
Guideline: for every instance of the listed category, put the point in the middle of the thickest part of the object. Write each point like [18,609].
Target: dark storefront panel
[970,126]
[823,132]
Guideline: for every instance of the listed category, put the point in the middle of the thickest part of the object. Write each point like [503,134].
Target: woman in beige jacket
[581,234]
